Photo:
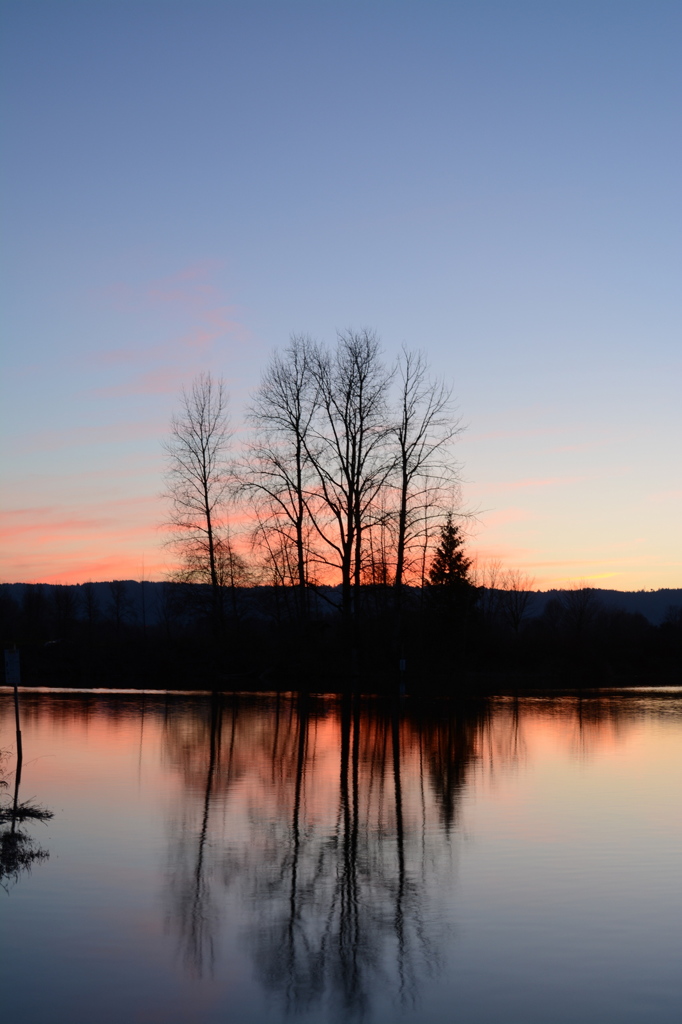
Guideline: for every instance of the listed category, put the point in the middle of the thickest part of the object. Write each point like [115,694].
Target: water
[257,859]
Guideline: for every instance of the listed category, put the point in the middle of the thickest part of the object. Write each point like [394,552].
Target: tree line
[122,634]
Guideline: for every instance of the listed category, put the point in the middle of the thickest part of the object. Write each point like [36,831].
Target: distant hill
[654,605]
[137,603]
[145,602]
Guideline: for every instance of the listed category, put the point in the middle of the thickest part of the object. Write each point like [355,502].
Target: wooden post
[13,678]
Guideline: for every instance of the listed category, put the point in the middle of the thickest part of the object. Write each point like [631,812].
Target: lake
[255,858]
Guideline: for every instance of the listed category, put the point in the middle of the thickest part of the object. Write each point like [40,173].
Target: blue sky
[184,184]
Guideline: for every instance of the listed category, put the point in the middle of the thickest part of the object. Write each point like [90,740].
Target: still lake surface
[257,859]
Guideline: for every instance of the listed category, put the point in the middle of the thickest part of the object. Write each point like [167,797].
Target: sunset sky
[498,183]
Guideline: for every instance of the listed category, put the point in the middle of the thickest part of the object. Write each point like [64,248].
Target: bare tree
[278,467]
[198,480]
[515,596]
[426,474]
[347,445]
[486,578]
[504,594]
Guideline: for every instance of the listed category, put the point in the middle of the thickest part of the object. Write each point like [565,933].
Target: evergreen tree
[450,566]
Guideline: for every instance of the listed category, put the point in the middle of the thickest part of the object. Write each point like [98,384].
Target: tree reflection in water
[335,835]
[335,822]
[191,900]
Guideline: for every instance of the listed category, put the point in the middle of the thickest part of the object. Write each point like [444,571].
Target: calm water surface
[254,859]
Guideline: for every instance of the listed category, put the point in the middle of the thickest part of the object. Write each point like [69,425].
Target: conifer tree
[450,566]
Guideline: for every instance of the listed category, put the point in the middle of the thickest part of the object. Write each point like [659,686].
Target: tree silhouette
[278,469]
[349,448]
[450,566]
[425,471]
[198,480]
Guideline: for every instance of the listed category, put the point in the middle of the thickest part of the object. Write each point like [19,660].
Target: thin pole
[13,678]
[17,781]
[20,752]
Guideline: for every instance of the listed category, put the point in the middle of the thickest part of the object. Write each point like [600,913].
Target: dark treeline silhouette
[161,635]
[447,639]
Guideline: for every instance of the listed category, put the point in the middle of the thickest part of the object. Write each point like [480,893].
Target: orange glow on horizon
[125,539]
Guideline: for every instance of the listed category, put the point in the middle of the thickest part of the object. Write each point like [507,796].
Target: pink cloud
[557,563]
[49,530]
[506,553]
[189,287]
[220,324]
[155,382]
[114,567]
[550,481]
[175,360]
[599,576]
[583,446]
[503,516]
[503,435]
[58,517]
[55,543]
[96,541]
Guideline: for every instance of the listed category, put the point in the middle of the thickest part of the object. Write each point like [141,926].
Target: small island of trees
[327,549]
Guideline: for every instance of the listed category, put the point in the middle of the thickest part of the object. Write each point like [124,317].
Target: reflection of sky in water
[246,860]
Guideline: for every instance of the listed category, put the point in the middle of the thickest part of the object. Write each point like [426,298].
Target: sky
[496,183]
